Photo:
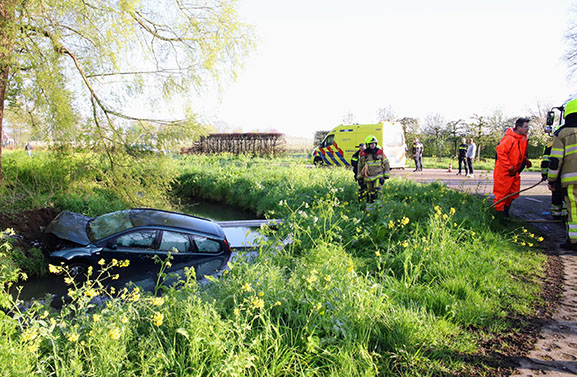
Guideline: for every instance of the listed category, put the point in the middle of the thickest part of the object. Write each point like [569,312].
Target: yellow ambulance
[343,141]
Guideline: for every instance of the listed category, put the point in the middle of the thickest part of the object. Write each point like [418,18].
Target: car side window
[206,245]
[174,240]
[142,239]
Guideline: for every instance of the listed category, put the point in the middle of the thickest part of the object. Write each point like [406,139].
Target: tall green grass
[393,290]
[83,182]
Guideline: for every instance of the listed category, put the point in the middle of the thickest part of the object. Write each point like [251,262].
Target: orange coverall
[511,153]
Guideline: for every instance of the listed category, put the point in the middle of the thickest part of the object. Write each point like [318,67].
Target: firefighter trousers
[373,188]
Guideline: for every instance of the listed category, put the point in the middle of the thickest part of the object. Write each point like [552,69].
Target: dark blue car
[138,235]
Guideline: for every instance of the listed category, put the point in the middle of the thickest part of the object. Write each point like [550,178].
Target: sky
[317,60]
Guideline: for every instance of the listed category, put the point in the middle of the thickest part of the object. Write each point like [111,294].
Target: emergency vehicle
[343,141]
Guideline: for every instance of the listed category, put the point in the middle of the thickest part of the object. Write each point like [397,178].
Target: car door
[139,246]
[178,244]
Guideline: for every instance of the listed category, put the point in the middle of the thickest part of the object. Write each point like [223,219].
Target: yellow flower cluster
[55,269]
[157,301]
[157,319]
[115,333]
[257,303]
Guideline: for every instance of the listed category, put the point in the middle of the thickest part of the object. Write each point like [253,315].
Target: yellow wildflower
[311,279]
[96,317]
[523,243]
[257,303]
[115,333]
[33,348]
[68,280]
[378,253]
[157,319]
[157,301]
[101,262]
[405,220]
[261,293]
[327,277]
[54,269]
[246,287]
[115,277]
[236,312]
[114,262]
[452,211]
[72,337]
[391,224]
[29,334]
[318,306]
[524,230]
[530,244]
[91,292]
[540,239]
[405,244]
[445,216]
[278,303]
[124,320]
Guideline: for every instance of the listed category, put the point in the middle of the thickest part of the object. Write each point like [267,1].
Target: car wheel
[319,162]
[78,270]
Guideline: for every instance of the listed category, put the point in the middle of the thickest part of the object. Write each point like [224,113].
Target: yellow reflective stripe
[571,107]
[572,210]
[373,178]
[556,152]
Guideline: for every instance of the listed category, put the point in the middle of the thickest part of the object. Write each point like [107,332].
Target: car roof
[111,223]
[157,217]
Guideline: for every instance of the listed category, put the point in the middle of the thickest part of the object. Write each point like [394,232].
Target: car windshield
[106,225]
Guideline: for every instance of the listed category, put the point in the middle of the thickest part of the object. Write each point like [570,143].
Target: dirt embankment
[28,225]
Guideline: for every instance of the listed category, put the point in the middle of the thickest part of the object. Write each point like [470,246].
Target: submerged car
[140,235]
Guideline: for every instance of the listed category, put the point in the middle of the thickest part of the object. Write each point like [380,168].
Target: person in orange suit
[511,159]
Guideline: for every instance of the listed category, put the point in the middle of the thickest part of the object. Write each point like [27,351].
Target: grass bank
[392,291]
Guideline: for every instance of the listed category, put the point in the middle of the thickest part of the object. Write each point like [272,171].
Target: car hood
[70,226]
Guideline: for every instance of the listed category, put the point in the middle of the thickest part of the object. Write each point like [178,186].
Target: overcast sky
[317,60]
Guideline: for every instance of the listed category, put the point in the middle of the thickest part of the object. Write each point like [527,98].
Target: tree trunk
[7,8]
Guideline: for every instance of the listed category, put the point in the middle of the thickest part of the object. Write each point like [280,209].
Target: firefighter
[563,166]
[355,165]
[373,168]
[558,194]
[511,155]
[462,156]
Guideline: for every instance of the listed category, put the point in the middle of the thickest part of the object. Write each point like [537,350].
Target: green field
[413,286]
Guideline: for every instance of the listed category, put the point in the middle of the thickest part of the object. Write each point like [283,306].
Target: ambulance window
[329,140]
[394,138]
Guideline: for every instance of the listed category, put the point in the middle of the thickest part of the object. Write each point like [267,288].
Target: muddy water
[239,238]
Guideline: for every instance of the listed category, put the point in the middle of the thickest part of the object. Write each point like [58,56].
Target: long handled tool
[515,193]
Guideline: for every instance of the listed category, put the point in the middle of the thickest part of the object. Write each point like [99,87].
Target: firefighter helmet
[570,106]
[371,139]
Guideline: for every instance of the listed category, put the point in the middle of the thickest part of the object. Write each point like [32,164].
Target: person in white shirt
[471,151]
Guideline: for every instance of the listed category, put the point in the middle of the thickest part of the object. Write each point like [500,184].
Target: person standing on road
[511,155]
[28,149]
[563,165]
[418,155]
[463,156]
[373,168]
[470,156]
[355,165]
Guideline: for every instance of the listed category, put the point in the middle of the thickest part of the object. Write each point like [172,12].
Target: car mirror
[550,118]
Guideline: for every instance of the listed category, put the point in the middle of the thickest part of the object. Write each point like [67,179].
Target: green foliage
[84,182]
[392,291]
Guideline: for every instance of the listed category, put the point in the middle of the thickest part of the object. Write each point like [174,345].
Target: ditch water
[239,238]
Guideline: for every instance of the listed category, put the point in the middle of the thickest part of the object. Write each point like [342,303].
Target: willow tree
[78,65]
